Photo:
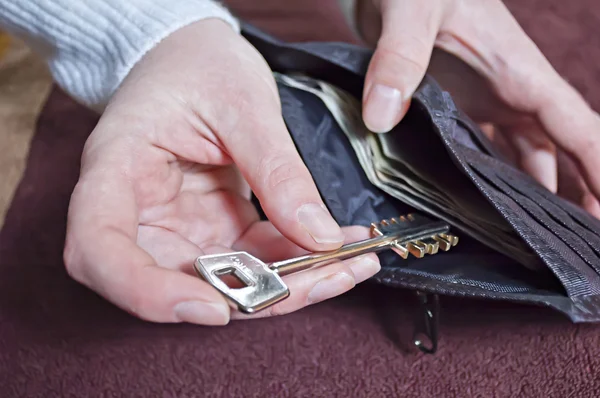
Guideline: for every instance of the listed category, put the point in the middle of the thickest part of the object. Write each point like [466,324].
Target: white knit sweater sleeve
[91,45]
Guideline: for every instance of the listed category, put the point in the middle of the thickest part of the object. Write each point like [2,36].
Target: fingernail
[201,312]
[363,267]
[320,225]
[331,286]
[382,106]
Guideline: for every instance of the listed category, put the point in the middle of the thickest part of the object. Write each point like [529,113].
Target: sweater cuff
[91,45]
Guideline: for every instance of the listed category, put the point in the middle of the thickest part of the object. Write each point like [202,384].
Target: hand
[167,175]
[498,77]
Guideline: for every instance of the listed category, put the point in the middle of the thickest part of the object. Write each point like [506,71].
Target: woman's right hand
[167,175]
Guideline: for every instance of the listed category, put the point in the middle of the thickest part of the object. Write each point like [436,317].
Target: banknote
[395,163]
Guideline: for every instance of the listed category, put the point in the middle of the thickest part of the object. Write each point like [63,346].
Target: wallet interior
[353,200]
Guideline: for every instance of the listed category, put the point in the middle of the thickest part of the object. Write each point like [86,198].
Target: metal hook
[428,325]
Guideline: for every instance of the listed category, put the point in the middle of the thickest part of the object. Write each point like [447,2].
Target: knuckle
[280,172]
[404,54]
[342,268]
[520,85]
[524,78]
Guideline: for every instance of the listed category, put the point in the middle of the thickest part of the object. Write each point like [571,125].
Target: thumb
[409,30]
[264,152]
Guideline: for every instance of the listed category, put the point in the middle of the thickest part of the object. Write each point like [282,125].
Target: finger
[575,129]
[102,254]
[502,144]
[264,241]
[400,60]
[489,39]
[319,284]
[591,204]
[536,154]
[312,285]
[572,186]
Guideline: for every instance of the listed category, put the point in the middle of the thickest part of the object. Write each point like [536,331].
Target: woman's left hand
[498,76]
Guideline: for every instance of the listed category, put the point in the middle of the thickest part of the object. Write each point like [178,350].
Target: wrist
[158,26]
[183,13]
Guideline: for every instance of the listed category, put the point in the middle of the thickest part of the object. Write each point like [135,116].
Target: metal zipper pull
[426,328]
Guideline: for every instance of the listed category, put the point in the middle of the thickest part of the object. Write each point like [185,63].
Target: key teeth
[375,229]
[398,220]
[433,246]
[417,249]
[389,222]
[402,251]
[452,239]
[443,243]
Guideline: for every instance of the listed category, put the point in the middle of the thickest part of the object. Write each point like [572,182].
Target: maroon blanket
[58,339]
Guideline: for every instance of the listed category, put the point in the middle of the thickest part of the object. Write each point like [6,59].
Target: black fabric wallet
[564,239]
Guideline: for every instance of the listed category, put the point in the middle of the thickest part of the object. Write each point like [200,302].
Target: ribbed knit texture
[91,45]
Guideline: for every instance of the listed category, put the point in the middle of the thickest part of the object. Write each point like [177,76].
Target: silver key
[259,285]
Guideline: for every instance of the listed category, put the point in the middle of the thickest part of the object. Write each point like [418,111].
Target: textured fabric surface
[58,339]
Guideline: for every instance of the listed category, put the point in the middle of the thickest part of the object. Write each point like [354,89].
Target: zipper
[425,336]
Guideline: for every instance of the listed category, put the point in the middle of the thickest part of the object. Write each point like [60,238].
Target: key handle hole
[233,278]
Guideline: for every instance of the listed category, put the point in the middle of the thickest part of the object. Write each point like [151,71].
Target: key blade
[261,286]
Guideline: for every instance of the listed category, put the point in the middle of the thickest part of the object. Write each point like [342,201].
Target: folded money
[394,163]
